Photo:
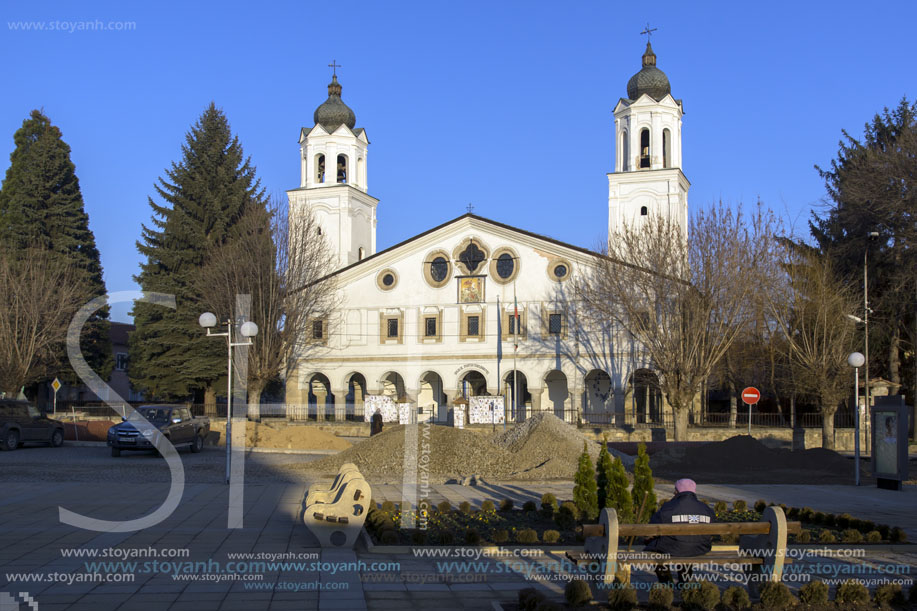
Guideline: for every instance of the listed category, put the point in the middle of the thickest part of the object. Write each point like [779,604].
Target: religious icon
[887,446]
[471,289]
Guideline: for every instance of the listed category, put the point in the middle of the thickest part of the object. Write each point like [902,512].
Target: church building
[474,309]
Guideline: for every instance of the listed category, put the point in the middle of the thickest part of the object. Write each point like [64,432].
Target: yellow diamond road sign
[56,385]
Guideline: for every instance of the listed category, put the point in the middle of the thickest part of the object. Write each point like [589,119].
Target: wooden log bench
[336,516]
[762,545]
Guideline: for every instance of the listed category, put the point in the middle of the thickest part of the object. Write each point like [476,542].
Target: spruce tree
[618,494]
[642,492]
[603,467]
[584,489]
[205,195]
[41,206]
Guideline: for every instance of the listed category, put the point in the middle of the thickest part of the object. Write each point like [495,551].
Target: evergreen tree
[205,195]
[642,492]
[618,494]
[603,467]
[41,207]
[584,489]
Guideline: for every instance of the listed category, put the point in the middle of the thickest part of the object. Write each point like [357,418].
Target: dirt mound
[295,437]
[745,460]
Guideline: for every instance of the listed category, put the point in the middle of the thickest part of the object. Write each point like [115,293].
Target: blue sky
[506,105]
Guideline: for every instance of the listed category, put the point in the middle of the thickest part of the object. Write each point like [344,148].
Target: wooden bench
[337,521]
[762,545]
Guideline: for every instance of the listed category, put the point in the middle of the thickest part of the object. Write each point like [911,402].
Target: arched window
[666,148]
[643,211]
[359,175]
[644,148]
[319,168]
[625,151]
[360,253]
[342,168]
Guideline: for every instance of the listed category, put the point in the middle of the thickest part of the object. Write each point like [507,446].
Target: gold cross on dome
[334,65]
[648,31]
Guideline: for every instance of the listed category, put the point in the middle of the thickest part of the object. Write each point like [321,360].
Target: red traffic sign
[751,395]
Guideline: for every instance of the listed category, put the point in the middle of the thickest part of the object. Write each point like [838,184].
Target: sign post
[56,386]
[750,395]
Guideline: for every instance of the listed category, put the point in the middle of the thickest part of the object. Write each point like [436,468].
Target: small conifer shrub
[577,592]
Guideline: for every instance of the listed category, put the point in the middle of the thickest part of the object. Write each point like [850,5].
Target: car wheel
[115,452]
[198,444]
[57,438]
[11,440]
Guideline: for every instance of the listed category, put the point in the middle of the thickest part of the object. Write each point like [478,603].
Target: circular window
[504,265]
[437,268]
[559,270]
[387,279]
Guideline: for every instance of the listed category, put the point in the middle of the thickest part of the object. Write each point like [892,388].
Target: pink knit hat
[685,485]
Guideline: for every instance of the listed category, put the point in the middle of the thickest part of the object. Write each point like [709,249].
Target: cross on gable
[470,208]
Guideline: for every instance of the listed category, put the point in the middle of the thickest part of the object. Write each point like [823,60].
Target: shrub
[818,518]
[577,592]
[856,523]
[729,539]
[444,507]
[584,489]
[852,535]
[622,597]
[805,514]
[830,520]
[739,505]
[419,537]
[388,506]
[548,605]
[852,592]
[487,506]
[874,536]
[760,506]
[842,521]
[720,507]
[549,501]
[884,530]
[814,593]
[736,597]
[564,518]
[526,535]
[529,506]
[775,595]
[506,505]
[501,536]
[793,513]
[465,507]
[446,538]
[472,537]
[826,536]
[890,594]
[388,537]
[661,597]
[529,599]
[897,535]
[572,508]
[550,536]
[804,536]
[603,475]
[703,595]
[867,525]
[642,494]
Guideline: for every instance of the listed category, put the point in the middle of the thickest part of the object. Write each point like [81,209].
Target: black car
[21,423]
[174,422]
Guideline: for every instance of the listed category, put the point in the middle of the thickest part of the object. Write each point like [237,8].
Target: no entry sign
[751,395]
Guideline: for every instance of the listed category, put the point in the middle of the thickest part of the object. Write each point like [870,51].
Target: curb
[102,444]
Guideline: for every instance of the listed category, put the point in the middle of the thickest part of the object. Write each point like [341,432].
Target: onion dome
[650,80]
[334,112]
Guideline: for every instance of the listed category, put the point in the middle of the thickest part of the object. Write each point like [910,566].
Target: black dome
[650,80]
[333,112]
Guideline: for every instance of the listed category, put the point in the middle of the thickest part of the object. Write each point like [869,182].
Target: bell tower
[648,179]
[333,179]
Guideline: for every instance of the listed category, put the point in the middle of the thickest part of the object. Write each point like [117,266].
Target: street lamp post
[856,361]
[249,329]
[871,236]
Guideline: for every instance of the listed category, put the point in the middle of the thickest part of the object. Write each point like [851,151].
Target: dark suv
[21,422]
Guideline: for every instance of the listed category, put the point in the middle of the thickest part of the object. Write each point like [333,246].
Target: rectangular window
[121,361]
[430,327]
[392,330]
[474,328]
[512,325]
[317,330]
[555,324]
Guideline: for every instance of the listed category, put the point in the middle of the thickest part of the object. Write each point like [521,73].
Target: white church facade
[474,307]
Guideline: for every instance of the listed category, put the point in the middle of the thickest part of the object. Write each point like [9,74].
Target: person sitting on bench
[683,508]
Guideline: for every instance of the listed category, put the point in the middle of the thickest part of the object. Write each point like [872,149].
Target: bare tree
[283,263]
[39,294]
[683,298]
[811,307]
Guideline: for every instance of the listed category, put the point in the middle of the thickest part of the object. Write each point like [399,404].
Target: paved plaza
[36,545]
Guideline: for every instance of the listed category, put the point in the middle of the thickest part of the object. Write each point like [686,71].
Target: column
[340,405]
[536,399]
[576,402]
[412,395]
[443,414]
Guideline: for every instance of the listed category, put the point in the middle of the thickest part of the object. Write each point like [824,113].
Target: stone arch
[320,396]
[431,396]
[392,385]
[355,388]
[598,397]
[557,394]
[516,410]
[472,383]
[644,397]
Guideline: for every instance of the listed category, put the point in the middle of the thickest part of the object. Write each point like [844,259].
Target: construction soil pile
[543,447]
[745,460]
[263,435]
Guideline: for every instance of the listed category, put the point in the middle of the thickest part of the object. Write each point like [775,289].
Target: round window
[505,265]
[388,279]
[439,268]
[560,271]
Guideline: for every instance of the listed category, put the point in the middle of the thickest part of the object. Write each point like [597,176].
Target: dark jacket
[683,508]
[375,426]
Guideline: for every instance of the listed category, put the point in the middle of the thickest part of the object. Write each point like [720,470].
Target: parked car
[21,423]
[174,422]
